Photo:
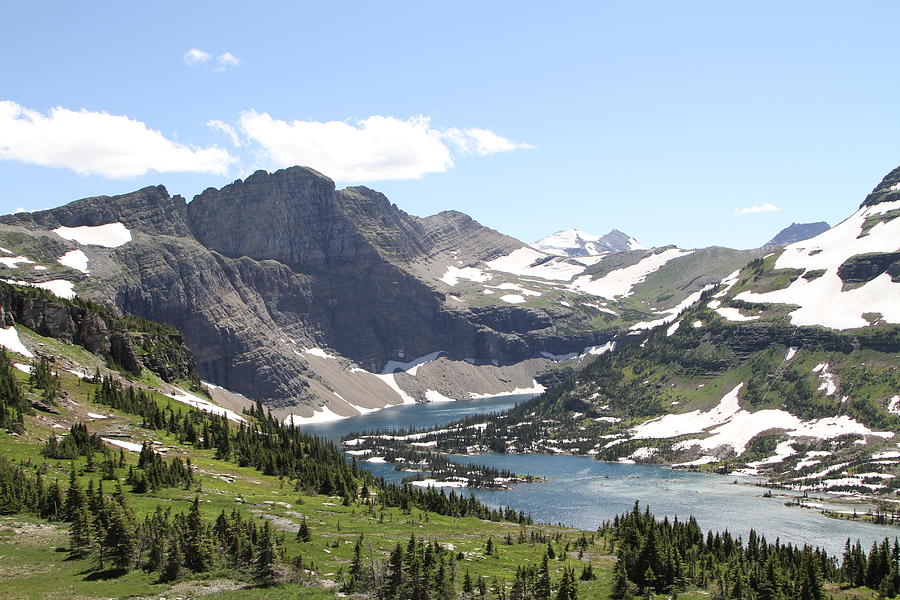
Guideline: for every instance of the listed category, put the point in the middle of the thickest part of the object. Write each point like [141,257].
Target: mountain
[573,242]
[295,293]
[797,232]
[325,303]
[787,367]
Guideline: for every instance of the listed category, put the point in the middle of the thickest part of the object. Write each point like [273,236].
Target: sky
[689,123]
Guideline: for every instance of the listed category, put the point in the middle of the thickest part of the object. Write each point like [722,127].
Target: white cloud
[98,143]
[767,207]
[226,129]
[372,149]
[227,59]
[195,56]
[482,141]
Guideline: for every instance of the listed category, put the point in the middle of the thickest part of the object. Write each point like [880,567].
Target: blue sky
[661,119]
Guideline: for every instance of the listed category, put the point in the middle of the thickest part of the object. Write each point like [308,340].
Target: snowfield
[729,425]
[822,301]
[9,339]
[620,282]
[75,259]
[203,404]
[521,262]
[453,274]
[111,235]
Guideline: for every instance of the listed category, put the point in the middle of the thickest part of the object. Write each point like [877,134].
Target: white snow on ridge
[391,382]
[435,396]
[691,422]
[672,313]
[519,262]
[894,405]
[790,353]
[130,446]
[453,274]
[13,262]
[822,301]
[410,367]
[513,298]
[110,235]
[203,404]
[733,314]
[620,282]
[323,414]
[9,339]
[75,259]
[730,425]
[59,287]
[536,388]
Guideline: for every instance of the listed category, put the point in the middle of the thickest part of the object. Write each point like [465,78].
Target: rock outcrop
[797,232]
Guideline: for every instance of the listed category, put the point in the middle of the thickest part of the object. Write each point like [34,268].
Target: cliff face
[257,271]
[127,342]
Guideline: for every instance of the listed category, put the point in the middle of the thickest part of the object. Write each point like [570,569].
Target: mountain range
[324,302]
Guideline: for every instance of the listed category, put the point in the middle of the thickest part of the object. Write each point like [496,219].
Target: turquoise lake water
[582,492]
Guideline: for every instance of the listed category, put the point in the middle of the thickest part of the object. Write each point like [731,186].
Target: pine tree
[80,531]
[174,561]
[542,588]
[198,549]
[266,569]
[355,576]
[620,585]
[394,580]
[303,534]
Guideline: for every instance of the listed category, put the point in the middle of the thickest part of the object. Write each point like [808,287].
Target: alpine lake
[581,492]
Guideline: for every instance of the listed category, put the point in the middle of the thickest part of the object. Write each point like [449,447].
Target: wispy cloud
[90,143]
[371,149]
[225,60]
[226,129]
[482,141]
[195,56]
[767,207]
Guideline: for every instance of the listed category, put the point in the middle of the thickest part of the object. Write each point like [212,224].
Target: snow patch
[435,396]
[74,259]
[130,446]
[894,405]
[522,262]
[12,262]
[536,388]
[322,414]
[733,314]
[9,339]
[111,235]
[203,404]
[620,283]
[513,298]
[453,274]
[411,367]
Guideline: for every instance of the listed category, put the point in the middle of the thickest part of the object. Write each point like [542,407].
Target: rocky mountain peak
[797,232]
[574,242]
[886,191]
[292,216]
[150,210]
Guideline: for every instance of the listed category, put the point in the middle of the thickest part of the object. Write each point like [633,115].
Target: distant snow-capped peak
[574,242]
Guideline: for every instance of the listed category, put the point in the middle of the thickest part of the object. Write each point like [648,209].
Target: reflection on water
[582,492]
